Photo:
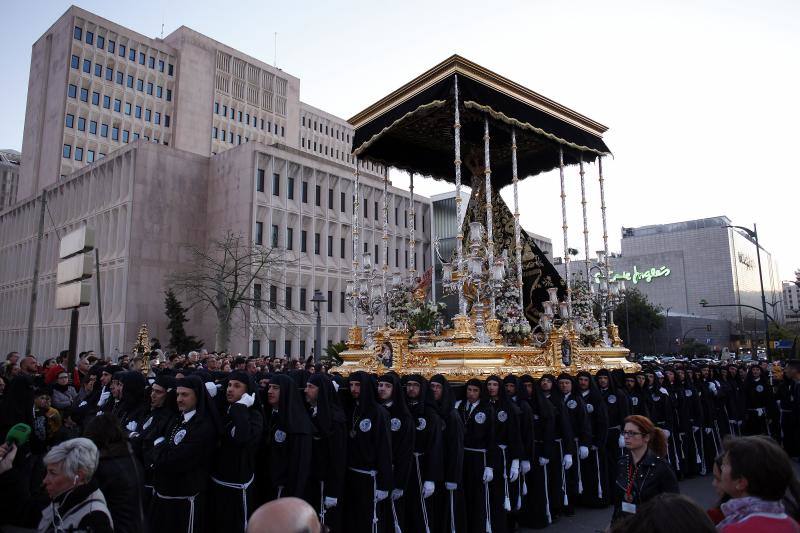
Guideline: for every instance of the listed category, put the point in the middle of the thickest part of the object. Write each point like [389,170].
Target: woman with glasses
[642,472]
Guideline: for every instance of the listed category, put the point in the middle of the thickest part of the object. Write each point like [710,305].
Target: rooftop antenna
[275,60]
[162,30]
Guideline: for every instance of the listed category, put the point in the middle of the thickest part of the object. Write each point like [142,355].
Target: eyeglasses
[631,433]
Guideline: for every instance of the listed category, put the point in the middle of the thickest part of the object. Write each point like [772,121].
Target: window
[103,130]
[330,301]
[406,254]
[376,210]
[282,132]
[318,192]
[66,152]
[90,156]
[366,209]
[259,179]
[101,42]
[75,62]
[78,33]
[147,115]
[98,70]
[276,184]
[93,127]
[120,78]
[159,91]
[81,124]
[84,95]
[161,65]
[259,233]
[142,58]
[106,102]
[376,254]
[256,351]
[240,116]
[290,188]
[109,74]
[396,257]
[302,348]
[72,91]
[273,297]
[288,298]
[157,117]
[69,121]
[405,218]
[341,247]
[216,108]
[289,238]
[170,69]
[139,84]
[138,111]
[330,198]
[342,201]
[272,348]
[151,62]
[78,154]
[132,54]
[304,192]
[302,300]
[257,295]
[114,133]
[125,135]
[303,239]
[274,239]
[129,81]
[395,216]
[287,347]
[341,302]
[122,50]
[233,113]
[316,243]
[223,135]
[117,104]
[89,37]
[87,66]
[127,108]
[111,46]
[330,245]
[224,110]
[214,132]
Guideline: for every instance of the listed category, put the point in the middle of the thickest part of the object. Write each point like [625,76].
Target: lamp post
[753,234]
[318,300]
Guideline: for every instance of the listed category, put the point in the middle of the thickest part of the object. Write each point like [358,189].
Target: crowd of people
[199,441]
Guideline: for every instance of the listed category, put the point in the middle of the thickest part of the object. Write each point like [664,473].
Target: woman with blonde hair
[642,471]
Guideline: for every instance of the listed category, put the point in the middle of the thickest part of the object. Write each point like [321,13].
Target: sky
[700,97]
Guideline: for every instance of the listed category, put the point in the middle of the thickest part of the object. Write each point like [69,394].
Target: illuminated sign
[637,275]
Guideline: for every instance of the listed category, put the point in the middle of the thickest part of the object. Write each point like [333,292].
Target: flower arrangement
[514,327]
[583,312]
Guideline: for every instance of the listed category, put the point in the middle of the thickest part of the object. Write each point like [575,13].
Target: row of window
[150,88]
[136,110]
[340,155]
[343,247]
[131,52]
[287,348]
[288,299]
[276,191]
[67,154]
[245,118]
[333,132]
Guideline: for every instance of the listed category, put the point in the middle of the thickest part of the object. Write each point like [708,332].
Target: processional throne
[462,123]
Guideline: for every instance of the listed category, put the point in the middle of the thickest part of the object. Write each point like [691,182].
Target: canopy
[412,128]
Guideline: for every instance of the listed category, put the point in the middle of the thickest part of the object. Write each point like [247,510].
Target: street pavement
[586,520]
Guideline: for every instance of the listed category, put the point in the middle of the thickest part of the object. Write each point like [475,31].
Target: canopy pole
[517,239]
[356,231]
[585,222]
[487,171]
[462,301]
[564,228]
[385,237]
[605,237]
[413,243]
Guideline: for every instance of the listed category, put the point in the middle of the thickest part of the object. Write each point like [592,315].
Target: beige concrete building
[194,140]
[9,177]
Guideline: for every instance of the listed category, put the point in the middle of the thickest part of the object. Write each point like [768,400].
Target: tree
[178,339]
[645,318]
[223,278]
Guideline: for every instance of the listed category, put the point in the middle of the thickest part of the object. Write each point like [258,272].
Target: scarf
[738,509]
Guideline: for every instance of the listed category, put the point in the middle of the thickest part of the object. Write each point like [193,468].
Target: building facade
[791,301]
[9,177]
[167,144]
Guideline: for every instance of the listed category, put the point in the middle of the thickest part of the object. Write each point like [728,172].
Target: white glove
[525,467]
[397,494]
[488,474]
[132,425]
[427,489]
[663,390]
[133,435]
[760,411]
[247,399]
[158,441]
[104,396]
[708,431]
[381,495]
[513,473]
[583,452]
[211,388]
[544,461]
[695,428]
[330,502]
[712,387]
[567,461]
[621,441]
[666,433]
[450,486]
[83,403]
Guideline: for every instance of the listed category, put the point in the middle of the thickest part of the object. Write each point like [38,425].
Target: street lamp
[318,300]
[753,234]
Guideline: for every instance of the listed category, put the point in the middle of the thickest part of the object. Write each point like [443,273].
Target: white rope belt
[485,489]
[238,486]
[190,499]
[373,474]
[506,501]
[580,478]
[421,497]
[563,472]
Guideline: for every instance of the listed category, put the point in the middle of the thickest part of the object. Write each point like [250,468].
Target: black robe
[480,452]
[401,430]
[509,448]
[449,502]
[759,406]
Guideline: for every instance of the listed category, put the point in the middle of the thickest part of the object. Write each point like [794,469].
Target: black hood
[292,414]
[425,397]
[398,406]
[205,404]
[133,389]
[367,401]
[329,409]
[448,401]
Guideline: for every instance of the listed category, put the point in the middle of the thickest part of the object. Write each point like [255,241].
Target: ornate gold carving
[613,334]
[462,330]
[355,338]
[493,330]
[370,364]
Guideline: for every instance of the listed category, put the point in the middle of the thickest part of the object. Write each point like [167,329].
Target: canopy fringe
[424,107]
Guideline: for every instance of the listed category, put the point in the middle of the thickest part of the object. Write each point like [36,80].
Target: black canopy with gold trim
[412,128]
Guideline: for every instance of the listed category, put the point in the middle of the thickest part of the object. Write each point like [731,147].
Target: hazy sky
[701,98]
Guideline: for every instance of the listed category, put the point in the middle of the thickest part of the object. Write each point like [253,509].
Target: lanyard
[631,480]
